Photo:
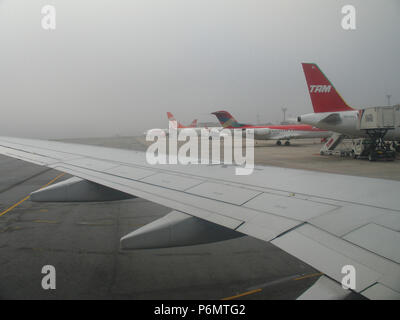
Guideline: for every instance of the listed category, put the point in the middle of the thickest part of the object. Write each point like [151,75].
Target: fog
[115,67]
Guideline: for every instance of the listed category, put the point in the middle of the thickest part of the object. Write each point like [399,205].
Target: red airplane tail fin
[226,119]
[324,96]
[193,124]
[172,118]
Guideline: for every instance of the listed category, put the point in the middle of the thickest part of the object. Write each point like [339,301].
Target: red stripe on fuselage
[300,127]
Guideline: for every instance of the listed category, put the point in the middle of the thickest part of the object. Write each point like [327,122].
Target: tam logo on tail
[320,88]
[323,94]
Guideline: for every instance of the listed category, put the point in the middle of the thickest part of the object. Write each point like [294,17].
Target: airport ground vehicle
[367,149]
[363,148]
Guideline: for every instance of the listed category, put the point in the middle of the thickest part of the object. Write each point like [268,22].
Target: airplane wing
[327,220]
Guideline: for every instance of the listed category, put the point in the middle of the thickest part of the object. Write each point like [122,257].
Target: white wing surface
[327,220]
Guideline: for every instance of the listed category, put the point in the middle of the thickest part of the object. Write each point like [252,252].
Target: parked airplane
[331,112]
[179,125]
[347,227]
[174,124]
[278,132]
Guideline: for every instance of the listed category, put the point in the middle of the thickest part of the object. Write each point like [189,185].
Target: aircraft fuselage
[345,122]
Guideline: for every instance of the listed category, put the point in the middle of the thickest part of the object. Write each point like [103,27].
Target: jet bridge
[376,122]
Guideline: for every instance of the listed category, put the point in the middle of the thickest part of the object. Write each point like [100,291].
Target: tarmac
[81,240]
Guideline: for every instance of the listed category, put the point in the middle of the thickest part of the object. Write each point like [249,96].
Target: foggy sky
[116,66]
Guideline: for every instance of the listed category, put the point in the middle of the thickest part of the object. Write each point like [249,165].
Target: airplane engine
[261,133]
[310,118]
[76,189]
[176,229]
